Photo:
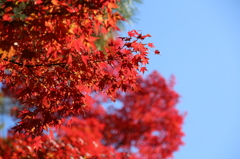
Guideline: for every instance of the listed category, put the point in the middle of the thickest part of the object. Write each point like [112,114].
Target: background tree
[146,126]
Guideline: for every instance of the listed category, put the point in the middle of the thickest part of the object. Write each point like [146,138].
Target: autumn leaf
[37,142]
[143,69]
[69,60]
[84,59]
[7,17]
[133,33]
[55,2]
[151,45]
[112,5]
[51,135]
[157,52]
[38,1]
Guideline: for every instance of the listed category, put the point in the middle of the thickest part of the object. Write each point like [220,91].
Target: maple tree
[51,63]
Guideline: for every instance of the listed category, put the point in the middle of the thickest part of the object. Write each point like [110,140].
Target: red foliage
[147,126]
[50,60]
[147,121]
[50,63]
[75,141]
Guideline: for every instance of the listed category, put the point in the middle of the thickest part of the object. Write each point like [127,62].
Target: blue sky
[200,45]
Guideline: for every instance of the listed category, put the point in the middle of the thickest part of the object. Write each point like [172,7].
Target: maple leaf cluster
[53,64]
[50,62]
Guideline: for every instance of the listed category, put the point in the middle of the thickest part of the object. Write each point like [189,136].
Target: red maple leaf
[143,69]
[133,33]
[7,17]
[38,1]
[157,52]
[151,45]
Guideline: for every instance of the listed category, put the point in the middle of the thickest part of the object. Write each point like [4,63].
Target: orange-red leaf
[6,17]
[55,2]
[143,69]
[151,45]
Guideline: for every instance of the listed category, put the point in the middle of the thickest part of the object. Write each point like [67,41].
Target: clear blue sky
[200,45]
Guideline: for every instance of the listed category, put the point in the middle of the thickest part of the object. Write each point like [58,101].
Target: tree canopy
[51,63]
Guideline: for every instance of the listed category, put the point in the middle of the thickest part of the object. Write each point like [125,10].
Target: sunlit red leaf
[143,69]
[38,1]
[69,60]
[55,2]
[133,33]
[7,17]
[151,45]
